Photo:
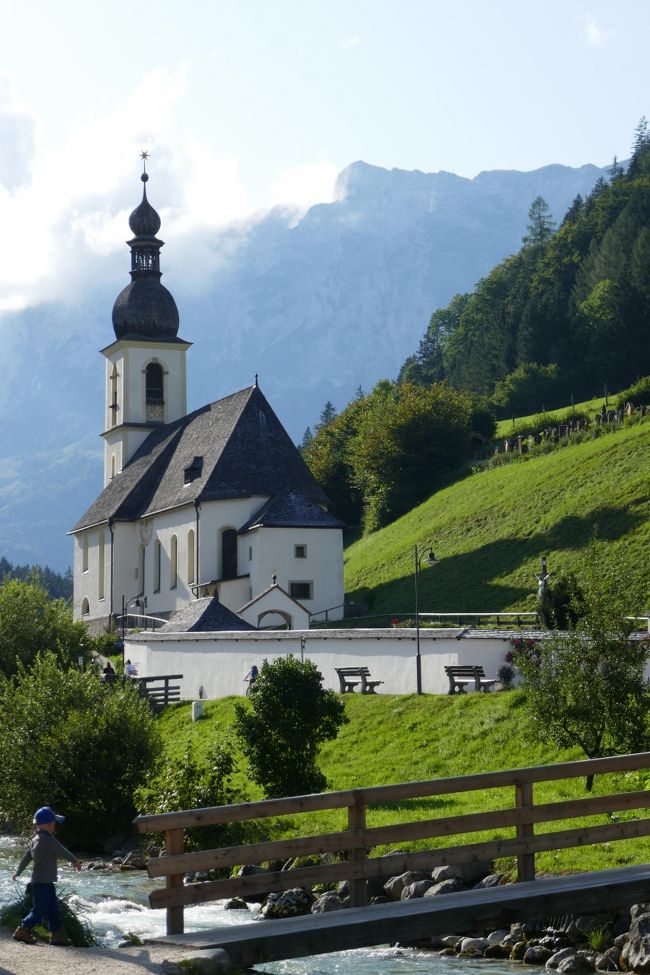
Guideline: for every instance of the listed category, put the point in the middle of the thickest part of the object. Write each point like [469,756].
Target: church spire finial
[144,155]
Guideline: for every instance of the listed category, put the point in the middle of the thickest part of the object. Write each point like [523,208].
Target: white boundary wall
[218,662]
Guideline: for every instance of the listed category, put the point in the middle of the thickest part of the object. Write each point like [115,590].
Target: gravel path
[43,959]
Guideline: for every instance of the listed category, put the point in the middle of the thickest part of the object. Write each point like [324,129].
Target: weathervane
[144,155]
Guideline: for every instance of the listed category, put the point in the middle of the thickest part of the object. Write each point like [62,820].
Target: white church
[215,503]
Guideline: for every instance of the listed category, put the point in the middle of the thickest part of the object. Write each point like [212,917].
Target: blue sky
[248,103]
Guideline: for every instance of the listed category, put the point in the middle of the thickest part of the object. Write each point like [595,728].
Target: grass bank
[490,530]
[392,738]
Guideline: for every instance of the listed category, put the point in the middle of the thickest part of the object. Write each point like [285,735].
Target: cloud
[350,42]
[305,185]
[64,211]
[17,137]
[593,35]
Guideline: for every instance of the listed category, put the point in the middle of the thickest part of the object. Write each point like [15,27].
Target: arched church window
[154,393]
[156,566]
[113,403]
[173,563]
[229,554]
[190,557]
[101,568]
[85,607]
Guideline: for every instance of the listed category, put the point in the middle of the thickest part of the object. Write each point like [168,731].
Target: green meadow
[392,739]
[490,529]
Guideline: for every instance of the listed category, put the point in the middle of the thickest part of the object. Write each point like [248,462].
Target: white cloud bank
[64,212]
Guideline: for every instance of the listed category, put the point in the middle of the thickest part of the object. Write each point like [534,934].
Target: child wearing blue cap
[44,850]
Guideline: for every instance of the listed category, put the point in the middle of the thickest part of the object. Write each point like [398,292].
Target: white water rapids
[115,904]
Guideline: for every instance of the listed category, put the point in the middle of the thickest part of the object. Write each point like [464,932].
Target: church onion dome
[145,308]
[144,221]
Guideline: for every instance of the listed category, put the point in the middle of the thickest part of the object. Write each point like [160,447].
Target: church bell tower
[146,381]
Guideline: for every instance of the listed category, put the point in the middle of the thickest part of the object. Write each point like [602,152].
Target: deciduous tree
[288,716]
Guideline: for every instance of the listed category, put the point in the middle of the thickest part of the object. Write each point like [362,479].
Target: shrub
[68,741]
[189,784]
[289,716]
[31,622]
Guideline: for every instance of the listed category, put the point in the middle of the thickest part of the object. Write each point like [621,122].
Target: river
[115,904]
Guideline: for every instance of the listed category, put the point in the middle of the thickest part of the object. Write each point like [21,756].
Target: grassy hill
[393,738]
[490,529]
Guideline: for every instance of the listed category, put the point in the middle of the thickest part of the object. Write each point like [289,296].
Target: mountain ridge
[317,306]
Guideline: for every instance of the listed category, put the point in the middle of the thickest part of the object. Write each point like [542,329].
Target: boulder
[135,860]
[636,950]
[498,951]
[287,903]
[451,941]
[606,964]
[559,956]
[637,910]
[474,947]
[518,951]
[536,955]
[497,937]
[235,904]
[418,889]
[467,873]
[444,887]
[492,880]
[395,885]
[329,901]
[577,964]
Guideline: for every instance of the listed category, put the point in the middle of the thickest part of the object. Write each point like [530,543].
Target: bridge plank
[466,911]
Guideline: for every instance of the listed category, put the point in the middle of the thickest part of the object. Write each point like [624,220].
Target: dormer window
[194,470]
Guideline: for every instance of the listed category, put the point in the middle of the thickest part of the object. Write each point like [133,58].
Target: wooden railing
[358,839]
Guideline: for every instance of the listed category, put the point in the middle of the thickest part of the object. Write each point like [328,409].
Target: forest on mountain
[57,585]
[567,315]
[566,318]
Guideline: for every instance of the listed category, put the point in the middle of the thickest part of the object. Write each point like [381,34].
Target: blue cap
[46,815]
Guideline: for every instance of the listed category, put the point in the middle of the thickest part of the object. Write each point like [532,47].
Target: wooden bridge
[362,925]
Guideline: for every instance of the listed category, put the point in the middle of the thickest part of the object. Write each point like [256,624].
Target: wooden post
[175,843]
[525,861]
[357,820]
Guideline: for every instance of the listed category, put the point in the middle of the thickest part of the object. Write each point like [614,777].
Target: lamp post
[420,554]
[125,605]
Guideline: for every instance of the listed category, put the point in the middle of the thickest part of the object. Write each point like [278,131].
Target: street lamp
[420,554]
[125,605]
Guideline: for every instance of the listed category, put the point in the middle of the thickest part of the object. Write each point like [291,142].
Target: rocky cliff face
[317,304]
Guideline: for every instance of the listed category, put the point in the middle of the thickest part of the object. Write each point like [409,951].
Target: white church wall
[321,565]
[214,517]
[91,574]
[218,662]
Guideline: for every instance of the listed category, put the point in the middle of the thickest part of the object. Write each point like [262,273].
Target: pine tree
[327,415]
[541,226]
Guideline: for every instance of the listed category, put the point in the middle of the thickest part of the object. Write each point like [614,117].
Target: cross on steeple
[144,155]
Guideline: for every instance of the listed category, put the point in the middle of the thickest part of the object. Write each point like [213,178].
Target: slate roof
[292,510]
[205,615]
[245,449]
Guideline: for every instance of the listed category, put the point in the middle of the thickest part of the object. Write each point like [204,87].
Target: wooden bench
[462,675]
[351,677]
